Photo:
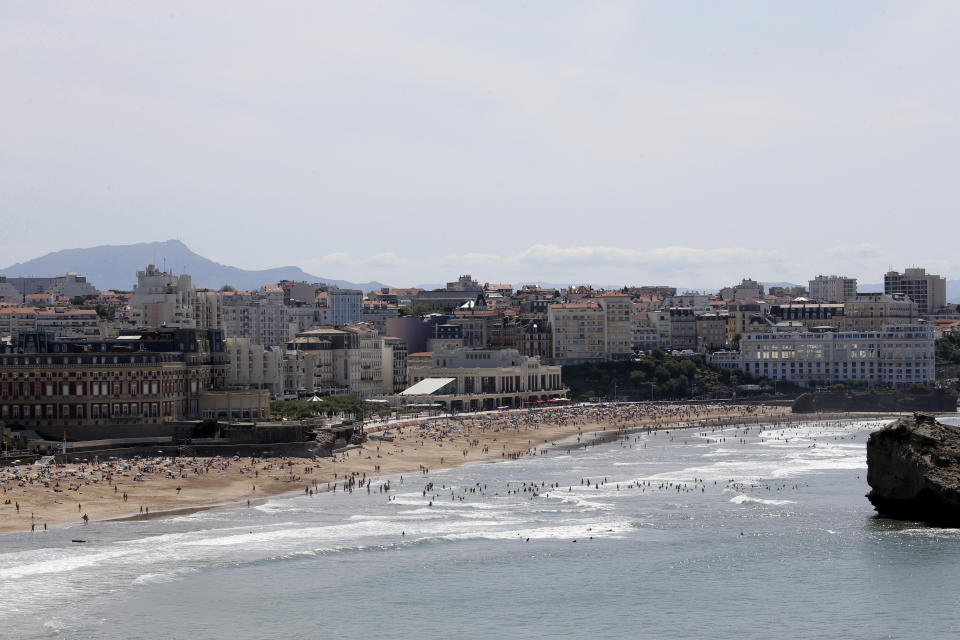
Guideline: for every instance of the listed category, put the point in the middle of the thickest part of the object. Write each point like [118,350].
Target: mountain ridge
[116,266]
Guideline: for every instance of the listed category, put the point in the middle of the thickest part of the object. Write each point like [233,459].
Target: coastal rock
[913,469]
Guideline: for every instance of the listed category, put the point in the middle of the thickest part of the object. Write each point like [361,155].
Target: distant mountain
[116,266]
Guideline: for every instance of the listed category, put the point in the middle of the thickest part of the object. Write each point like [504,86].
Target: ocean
[750,532]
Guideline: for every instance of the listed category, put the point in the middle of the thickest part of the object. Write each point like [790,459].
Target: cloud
[681,257]
[863,251]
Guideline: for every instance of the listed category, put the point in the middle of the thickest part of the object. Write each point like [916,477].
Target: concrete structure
[235,404]
[70,285]
[254,365]
[895,356]
[161,299]
[8,292]
[832,288]
[927,290]
[486,379]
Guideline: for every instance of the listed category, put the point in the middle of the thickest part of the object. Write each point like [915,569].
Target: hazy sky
[685,143]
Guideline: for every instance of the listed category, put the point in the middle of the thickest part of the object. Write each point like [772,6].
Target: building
[578,332]
[17,320]
[871,311]
[337,361]
[253,365]
[832,288]
[471,379]
[395,357]
[711,328]
[161,299]
[809,314]
[85,387]
[682,328]
[894,356]
[65,322]
[927,290]
[70,285]
[618,326]
[344,305]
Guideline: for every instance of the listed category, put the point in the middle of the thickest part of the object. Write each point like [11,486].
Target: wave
[742,499]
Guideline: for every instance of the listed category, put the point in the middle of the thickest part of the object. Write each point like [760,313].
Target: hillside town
[85,364]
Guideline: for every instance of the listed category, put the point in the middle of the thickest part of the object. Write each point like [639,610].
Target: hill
[116,266]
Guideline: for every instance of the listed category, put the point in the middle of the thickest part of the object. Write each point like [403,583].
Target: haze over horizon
[686,144]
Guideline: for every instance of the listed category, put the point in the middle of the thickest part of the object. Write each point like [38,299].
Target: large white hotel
[894,356]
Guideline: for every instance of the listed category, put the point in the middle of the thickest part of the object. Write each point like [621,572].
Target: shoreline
[211,483]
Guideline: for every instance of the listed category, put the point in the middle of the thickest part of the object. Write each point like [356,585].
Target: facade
[161,299]
[832,288]
[17,320]
[394,357]
[66,322]
[253,365]
[711,330]
[871,311]
[328,361]
[139,378]
[578,332]
[70,285]
[344,305]
[895,356]
[927,290]
[809,314]
[487,378]
[618,326]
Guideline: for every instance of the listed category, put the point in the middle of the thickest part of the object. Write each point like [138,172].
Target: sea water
[749,532]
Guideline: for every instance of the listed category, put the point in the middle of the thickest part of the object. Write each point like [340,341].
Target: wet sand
[71,491]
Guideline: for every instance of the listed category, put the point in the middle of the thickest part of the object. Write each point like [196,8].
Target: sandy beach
[32,497]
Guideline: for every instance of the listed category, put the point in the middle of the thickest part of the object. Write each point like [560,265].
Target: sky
[683,143]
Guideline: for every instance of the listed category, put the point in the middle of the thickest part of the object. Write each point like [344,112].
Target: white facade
[894,356]
[253,365]
[832,288]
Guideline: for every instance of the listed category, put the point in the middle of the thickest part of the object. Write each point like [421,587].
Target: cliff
[913,469]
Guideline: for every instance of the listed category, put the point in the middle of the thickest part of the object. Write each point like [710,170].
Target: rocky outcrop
[887,401]
[913,469]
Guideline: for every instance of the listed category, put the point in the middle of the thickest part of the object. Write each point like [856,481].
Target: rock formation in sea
[913,469]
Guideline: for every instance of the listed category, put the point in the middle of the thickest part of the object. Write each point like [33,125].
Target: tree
[227,287]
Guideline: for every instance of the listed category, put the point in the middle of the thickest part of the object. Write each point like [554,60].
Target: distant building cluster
[168,350]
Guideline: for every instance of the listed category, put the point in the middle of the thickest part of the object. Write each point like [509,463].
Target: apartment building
[832,288]
[17,320]
[618,325]
[579,332]
[66,322]
[927,290]
[254,365]
[337,361]
[344,305]
[894,356]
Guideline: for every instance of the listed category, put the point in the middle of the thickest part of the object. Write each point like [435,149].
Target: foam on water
[745,499]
